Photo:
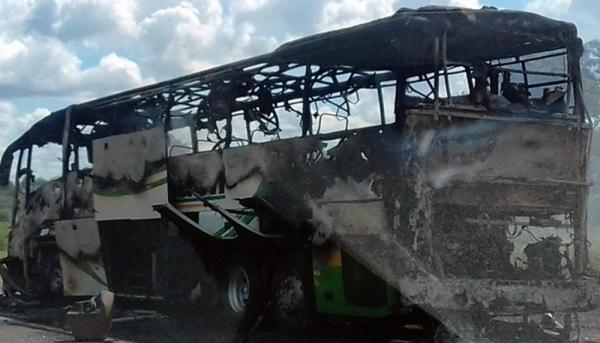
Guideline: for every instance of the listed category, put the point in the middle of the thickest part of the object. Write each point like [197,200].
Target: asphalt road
[15,331]
[33,323]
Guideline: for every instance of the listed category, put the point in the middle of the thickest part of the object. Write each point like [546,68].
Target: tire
[242,291]
[292,303]
[238,289]
[290,310]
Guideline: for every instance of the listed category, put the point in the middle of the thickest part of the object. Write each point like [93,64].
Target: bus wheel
[243,291]
[289,301]
[238,290]
[291,307]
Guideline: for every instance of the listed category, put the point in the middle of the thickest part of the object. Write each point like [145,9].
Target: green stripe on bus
[116,193]
[227,231]
[86,268]
[208,197]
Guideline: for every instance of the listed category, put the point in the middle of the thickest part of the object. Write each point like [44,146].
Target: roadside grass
[3,238]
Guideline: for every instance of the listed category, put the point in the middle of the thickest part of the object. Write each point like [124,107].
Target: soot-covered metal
[435,199]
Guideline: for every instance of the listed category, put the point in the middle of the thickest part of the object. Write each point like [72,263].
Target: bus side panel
[130,175]
[343,287]
[80,257]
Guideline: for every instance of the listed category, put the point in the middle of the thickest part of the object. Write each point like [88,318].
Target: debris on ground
[91,320]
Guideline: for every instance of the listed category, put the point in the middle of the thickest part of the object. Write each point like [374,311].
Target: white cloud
[13,124]
[13,13]
[193,36]
[338,14]
[465,3]
[112,73]
[34,66]
[165,38]
[248,6]
[10,50]
[46,163]
[554,8]
[69,20]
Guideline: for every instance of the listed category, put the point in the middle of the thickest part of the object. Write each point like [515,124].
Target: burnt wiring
[566,255]
[517,231]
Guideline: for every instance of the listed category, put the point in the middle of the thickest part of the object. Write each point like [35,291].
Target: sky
[59,52]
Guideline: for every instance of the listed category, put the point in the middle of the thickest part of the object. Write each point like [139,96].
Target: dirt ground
[31,322]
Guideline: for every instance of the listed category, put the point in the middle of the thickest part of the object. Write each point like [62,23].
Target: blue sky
[57,52]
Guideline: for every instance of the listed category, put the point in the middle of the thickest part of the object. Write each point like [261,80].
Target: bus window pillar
[66,152]
[29,177]
[306,115]
[400,100]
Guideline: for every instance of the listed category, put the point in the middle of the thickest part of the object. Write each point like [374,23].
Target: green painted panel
[331,296]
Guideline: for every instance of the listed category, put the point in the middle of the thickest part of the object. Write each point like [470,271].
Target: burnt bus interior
[376,98]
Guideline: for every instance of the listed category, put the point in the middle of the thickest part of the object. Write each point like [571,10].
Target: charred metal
[435,196]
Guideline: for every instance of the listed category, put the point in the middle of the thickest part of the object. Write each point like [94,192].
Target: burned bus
[435,159]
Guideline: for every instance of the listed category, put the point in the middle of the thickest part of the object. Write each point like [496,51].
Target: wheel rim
[290,296]
[238,290]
